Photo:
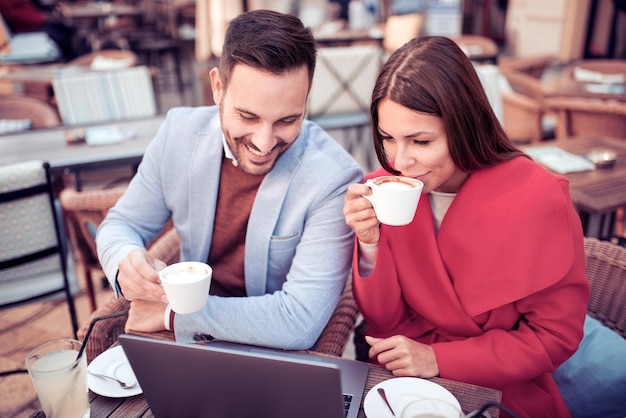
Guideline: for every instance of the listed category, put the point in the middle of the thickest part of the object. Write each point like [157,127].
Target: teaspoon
[382,394]
[123,384]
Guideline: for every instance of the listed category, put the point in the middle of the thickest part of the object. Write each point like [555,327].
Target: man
[253,189]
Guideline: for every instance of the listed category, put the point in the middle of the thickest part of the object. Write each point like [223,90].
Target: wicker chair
[524,106]
[522,117]
[579,116]
[591,116]
[533,66]
[83,212]
[40,114]
[606,271]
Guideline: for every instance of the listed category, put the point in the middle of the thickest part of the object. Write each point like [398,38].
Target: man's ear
[217,88]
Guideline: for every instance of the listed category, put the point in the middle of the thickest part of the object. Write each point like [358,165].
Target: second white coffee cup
[394,198]
[186,285]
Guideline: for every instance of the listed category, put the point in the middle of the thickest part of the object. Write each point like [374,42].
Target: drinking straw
[91,325]
[483,410]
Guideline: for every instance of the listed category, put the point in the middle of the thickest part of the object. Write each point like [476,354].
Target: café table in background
[33,80]
[333,35]
[97,14]
[589,79]
[598,193]
[71,159]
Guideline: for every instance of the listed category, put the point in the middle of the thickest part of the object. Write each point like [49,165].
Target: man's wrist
[166,317]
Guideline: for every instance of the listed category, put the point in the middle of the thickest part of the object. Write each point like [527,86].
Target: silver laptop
[219,380]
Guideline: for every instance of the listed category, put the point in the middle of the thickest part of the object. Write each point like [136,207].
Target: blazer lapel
[204,180]
[264,216]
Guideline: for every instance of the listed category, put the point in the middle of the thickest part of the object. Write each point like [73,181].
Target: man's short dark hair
[267,40]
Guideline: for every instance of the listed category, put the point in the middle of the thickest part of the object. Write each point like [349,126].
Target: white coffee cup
[186,285]
[430,408]
[394,198]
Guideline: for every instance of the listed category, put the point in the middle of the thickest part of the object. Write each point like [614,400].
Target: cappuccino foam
[188,275]
[395,185]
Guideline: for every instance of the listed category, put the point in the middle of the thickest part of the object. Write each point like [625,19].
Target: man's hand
[403,356]
[138,277]
[145,316]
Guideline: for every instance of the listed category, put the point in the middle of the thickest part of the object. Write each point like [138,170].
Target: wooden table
[598,193]
[50,145]
[565,84]
[99,10]
[35,80]
[471,398]
[88,15]
[347,36]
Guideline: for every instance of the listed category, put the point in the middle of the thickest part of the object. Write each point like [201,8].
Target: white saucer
[399,391]
[112,362]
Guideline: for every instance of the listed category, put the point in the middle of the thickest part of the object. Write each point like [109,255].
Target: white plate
[400,391]
[112,362]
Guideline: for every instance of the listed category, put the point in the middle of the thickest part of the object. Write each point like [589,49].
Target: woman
[487,284]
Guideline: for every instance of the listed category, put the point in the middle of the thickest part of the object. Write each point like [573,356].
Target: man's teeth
[257,153]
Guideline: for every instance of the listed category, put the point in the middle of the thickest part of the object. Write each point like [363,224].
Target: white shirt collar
[228,153]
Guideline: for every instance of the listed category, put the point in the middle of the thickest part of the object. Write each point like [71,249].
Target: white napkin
[588,76]
[101,63]
[105,135]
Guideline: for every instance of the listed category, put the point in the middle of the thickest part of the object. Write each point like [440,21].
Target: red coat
[500,293]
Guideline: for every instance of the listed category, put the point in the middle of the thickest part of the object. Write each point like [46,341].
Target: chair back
[341,94]
[606,272]
[399,29]
[343,81]
[523,103]
[83,212]
[38,114]
[580,116]
[522,117]
[533,66]
[105,96]
[32,253]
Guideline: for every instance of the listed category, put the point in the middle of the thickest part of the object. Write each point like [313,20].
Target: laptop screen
[231,380]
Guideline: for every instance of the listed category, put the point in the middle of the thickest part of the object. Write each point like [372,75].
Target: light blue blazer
[298,246]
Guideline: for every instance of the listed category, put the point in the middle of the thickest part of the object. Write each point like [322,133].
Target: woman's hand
[138,276]
[360,215]
[403,356]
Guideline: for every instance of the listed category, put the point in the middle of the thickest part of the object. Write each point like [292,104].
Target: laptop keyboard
[347,400]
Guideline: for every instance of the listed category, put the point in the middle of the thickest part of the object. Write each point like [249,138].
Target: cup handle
[369,197]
